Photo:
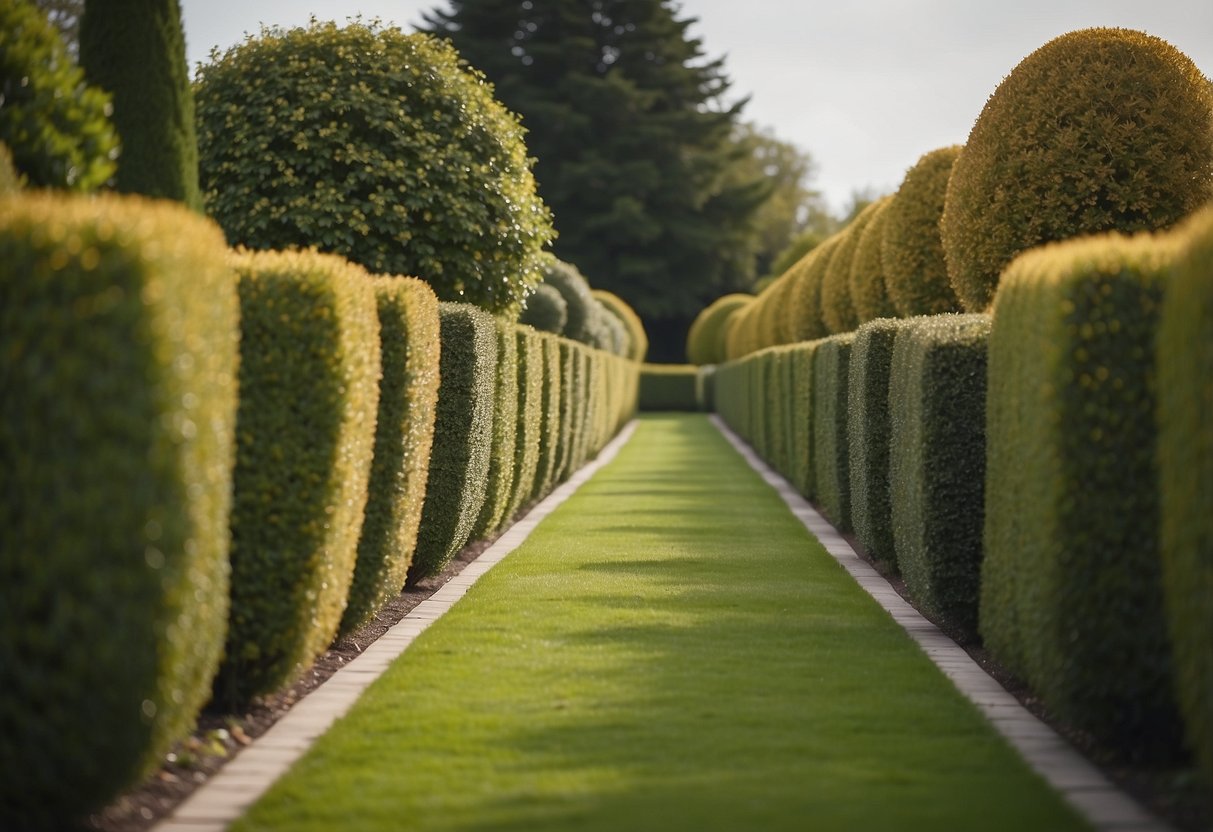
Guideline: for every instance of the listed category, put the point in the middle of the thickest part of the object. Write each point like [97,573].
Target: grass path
[669,650]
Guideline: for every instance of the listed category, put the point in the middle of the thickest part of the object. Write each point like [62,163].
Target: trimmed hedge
[529,416]
[1071,585]
[579,303]
[806,297]
[869,295]
[802,418]
[837,306]
[569,394]
[1097,130]
[705,339]
[916,274]
[831,454]
[669,387]
[552,435]
[118,353]
[500,482]
[404,433]
[1185,461]
[545,309]
[463,437]
[868,425]
[637,340]
[937,400]
[309,395]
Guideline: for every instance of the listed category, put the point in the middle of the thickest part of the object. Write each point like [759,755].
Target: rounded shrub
[546,310]
[916,275]
[637,339]
[705,339]
[611,331]
[56,125]
[1098,130]
[573,287]
[118,354]
[376,145]
[808,322]
[868,293]
[404,433]
[837,306]
[309,395]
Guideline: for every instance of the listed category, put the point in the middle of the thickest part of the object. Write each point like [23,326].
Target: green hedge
[553,434]
[545,309]
[1185,459]
[937,397]
[868,429]
[529,417]
[802,418]
[638,339]
[831,454]
[404,433]
[500,483]
[809,325]
[869,293]
[118,349]
[1071,585]
[463,437]
[669,387]
[705,339]
[309,394]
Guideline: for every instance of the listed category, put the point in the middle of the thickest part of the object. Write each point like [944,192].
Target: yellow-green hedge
[831,454]
[500,482]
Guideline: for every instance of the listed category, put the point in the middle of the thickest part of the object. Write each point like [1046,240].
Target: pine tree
[634,141]
[135,49]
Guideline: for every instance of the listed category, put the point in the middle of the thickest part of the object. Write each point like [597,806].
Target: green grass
[669,650]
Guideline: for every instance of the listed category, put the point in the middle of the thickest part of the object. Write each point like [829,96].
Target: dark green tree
[635,145]
[135,49]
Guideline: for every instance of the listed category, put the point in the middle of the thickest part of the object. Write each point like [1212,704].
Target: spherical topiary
[705,340]
[611,331]
[637,344]
[868,293]
[57,127]
[806,299]
[546,310]
[837,307]
[1098,130]
[736,331]
[916,276]
[377,145]
[575,289]
[789,323]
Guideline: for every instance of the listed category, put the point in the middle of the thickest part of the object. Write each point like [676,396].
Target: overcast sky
[865,88]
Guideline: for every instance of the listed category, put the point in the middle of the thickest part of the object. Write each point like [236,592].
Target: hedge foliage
[118,353]
[551,435]
[10,180]
[529,417]
[637,343]
[500,483]
[832,458]
[309,395]
[669,387]
[376,145]
[868,426]
[867,279]
[545,309]
[937,400]
[1097,130]
[806,296]
[575,289]
[1185,460]
[1071,586]
[916,274]
[56,125]
[404,433]
[837,306]
[463,437]
[705,339]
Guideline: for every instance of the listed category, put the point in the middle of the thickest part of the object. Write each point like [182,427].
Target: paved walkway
[244,780]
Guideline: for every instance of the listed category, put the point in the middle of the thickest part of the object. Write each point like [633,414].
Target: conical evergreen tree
[135,50]
[633,138]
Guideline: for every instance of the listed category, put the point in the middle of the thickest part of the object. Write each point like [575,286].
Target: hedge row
[1044,473]
[154,520]
[670,387]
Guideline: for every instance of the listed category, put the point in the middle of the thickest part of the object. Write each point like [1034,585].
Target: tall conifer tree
[135,49]
[633,138]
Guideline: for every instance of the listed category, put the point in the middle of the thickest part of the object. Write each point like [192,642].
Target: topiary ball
[837,307]
[575,289]
[545,310]
[916,275]
[56,125]
[705,339]
[636,342]
[1098,130]
[868,293]
[379,146]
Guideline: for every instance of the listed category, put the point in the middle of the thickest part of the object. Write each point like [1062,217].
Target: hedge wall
[463,437]
[551,435]
[1071,588]
[118,354]
[831,454]
[309,395]
[937,397]
[529,417]
[404,433]
[669,387]
[500,483]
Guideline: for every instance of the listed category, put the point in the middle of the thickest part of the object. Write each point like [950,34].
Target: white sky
[865,88]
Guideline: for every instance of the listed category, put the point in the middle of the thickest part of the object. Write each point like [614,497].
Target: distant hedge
[500,482]
[1071,587]
[309,394]
[806,294]
[937,454]
[463,437]
[551,435]
[528,417]
[545,309]
[637,340]
[404,433]
[868,428]
[1185,459]
[118,354]
[831,475]
[705,339]
[669,387]
[869,293]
